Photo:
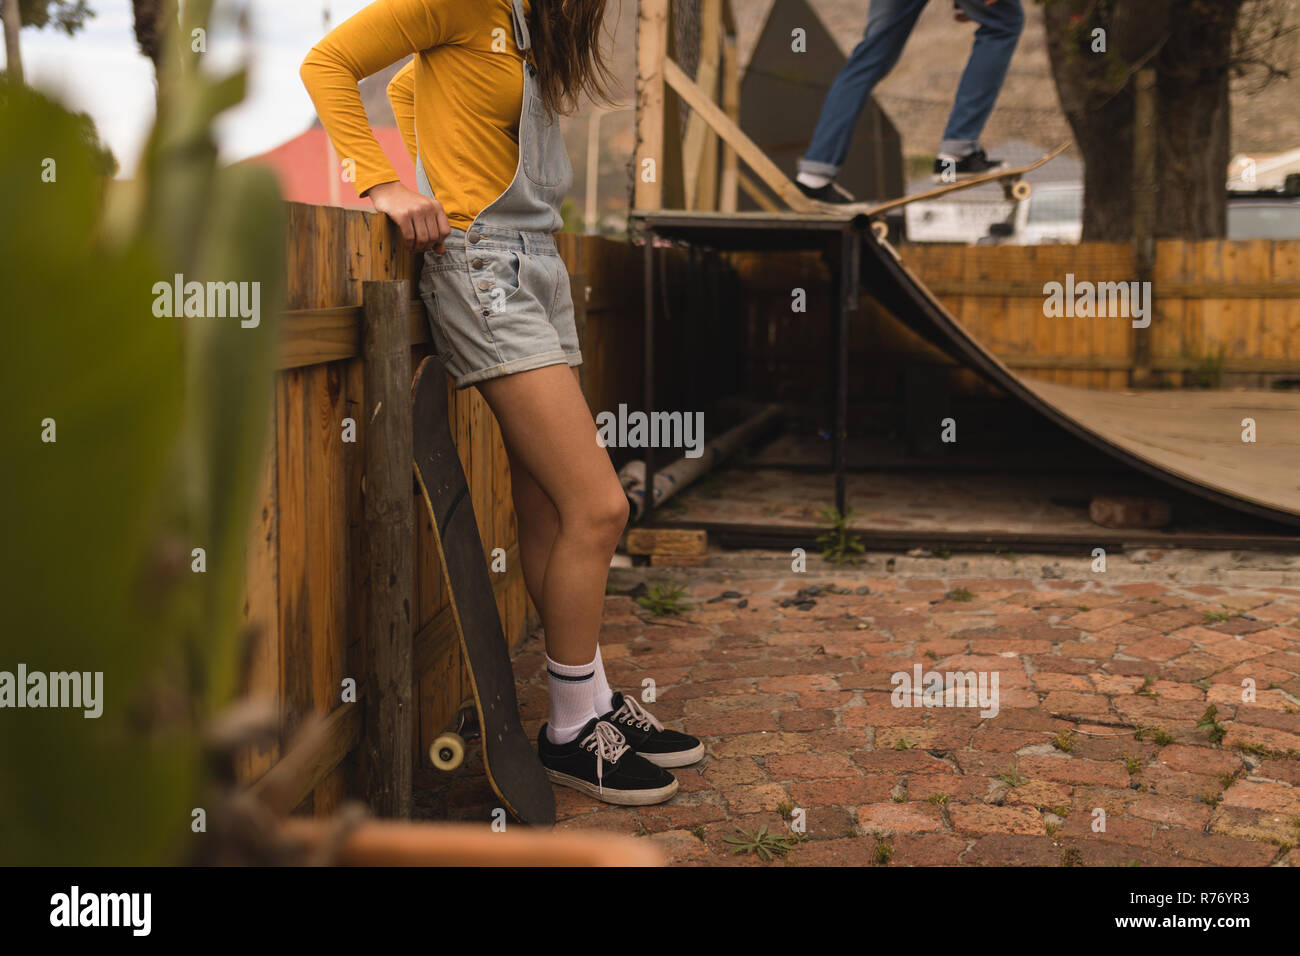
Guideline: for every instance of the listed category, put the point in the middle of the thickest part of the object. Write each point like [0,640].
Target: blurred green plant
[159,427]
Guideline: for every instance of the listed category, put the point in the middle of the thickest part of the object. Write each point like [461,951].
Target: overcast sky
[100,71]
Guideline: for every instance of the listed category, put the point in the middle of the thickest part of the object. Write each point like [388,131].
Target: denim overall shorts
[498,298]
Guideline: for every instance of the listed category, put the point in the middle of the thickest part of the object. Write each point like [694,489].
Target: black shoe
[948,169]
[649,738]
[830,193]
[600,763]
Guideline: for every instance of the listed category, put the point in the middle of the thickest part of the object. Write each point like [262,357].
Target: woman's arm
[377,36]
[401,96]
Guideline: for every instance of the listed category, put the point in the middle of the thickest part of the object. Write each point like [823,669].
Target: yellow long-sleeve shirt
[462,91]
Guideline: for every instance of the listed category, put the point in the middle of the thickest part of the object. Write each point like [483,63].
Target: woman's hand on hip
[422,220]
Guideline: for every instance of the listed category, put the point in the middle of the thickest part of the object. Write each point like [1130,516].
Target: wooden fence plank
[389,552]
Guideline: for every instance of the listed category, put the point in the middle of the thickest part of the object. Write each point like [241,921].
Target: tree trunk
[146,29]
[1190,46]
[14,56]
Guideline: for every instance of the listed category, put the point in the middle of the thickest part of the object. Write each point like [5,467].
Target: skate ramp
[1189,439]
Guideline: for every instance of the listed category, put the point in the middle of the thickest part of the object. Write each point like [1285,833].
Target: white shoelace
[637,715]
[609,744]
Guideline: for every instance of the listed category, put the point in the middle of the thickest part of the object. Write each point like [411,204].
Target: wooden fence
[306,576]
[306,582]
[1225,313]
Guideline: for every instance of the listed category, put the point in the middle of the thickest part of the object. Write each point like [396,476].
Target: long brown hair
[567,54]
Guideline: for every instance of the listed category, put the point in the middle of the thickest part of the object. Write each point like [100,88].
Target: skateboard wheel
[880,230]
[448,751]
[1021,190]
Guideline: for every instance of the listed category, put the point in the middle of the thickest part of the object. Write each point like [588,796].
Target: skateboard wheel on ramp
[448,751]
[1021,190]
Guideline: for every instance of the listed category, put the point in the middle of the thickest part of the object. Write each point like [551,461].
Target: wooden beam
[1032,289]
[731,133]
[312,758]
[729,183]
[388,550]
[651,54]
[755,192]
[700,149]
[316,336]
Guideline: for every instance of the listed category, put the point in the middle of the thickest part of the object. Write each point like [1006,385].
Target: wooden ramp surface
[1190,439]
[1197,435]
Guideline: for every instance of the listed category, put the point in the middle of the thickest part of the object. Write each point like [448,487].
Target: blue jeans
[889,23]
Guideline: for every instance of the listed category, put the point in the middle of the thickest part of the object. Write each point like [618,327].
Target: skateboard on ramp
[492,714]
[1012,181]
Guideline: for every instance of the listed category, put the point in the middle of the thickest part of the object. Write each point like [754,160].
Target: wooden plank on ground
[664,541]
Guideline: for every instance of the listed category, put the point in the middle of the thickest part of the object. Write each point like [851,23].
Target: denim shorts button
[473,237]
[478,263]
[484,285]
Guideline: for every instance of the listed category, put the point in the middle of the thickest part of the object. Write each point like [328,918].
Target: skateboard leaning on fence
[1012,182]
[492,714]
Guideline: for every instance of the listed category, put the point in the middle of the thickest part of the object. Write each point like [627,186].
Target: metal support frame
[747,232]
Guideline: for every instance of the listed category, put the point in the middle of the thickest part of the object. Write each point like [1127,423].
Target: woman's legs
[550,437]
[538,523]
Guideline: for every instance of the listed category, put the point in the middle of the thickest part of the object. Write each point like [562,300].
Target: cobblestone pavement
[1121,736]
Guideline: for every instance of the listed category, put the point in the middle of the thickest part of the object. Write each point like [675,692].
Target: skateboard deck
[1011,180]
[511,762]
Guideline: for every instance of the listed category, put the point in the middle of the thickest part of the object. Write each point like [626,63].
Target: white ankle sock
[813,180]
[571,698]
[602,698]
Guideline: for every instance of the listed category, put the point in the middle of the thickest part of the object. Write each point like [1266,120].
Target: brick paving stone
[984,818]
[1272,797]
[1074,770]
[889,818]
[842,791]
[795,709]
[1261,825]
[1202,760]
[724,773]
[1212,848]
[927,849]
[850,851]
[962,788]
[809,766]
[768,796]
[1171,811]
[1011,849]
[1038,793]
[681,846]
[1080,826]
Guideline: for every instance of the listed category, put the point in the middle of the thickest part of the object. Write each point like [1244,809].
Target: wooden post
[592,217]
[1145,184]
[651,51]
[388,549]
[700,150]
[728,187]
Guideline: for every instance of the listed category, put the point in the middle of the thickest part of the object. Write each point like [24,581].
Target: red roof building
[310,172]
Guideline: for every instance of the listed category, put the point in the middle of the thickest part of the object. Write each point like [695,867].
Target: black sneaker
[649,738]
[832,193]
[600,763]
[949,169]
